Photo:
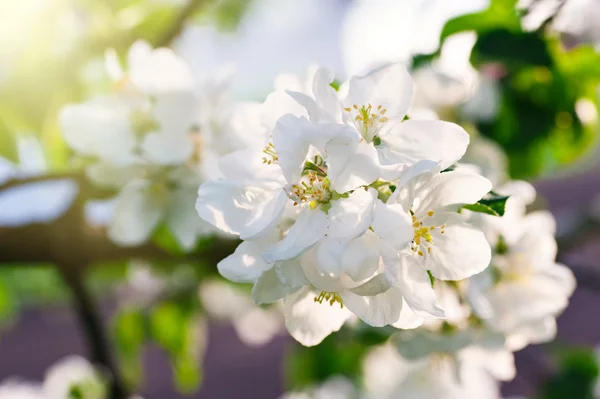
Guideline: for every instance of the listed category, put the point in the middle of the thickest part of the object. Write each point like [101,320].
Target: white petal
[378,310]
[330,109]
[351,164]
[360,259]
[408,319]
[167,149]
[310,322]
[269,288]
[138,210]
[393,224]
[450,189]
[244,210]
[413,282]
[278,104]
[461,252]
[351,217]
[328,255]
[245,265]
[389,86]
[308,103]
[182,219]
[99,128]
[291,138]
[415,140]
[310,227]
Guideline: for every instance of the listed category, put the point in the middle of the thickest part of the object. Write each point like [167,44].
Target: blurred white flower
[151,139]
[524,289]
[335,387]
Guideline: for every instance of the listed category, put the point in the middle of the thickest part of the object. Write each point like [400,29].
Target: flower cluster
[486,320]
[149,139]
[348,207]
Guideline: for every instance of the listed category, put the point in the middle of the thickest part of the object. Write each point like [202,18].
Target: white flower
[16,389]
[74,372]
[377,142]
[335,387]
[149,140]
[388,375]
[443,241]
[524,289]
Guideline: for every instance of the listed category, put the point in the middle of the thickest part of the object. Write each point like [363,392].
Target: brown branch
[24,180]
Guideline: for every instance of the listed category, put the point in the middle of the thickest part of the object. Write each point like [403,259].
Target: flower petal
[393,224]
[310,322]
[351,164]
[310,227]
[378,310]
[351,217]
[269,288]
[461,252]
[136,214]
[415,286]
[244,210]
[390,86]
[246,265]
[415,140]
[450,189]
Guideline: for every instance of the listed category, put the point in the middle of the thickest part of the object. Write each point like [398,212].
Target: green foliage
[130,335]
[492,204]
[576,378]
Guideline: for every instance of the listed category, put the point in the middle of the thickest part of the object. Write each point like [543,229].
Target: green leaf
[187,372]
[492,204]
[167,326]
[130,333]
[431,278]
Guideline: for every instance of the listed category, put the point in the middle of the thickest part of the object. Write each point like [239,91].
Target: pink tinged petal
[415,140]
[393,224]
[310,322]
[390,86]
[291,141]
[350,217]
[450,190]
[413,282]
[246,265]
[351,164]
[461,252]
[136,215]
[310,227]
[269,288]
[247,211]
[377,310]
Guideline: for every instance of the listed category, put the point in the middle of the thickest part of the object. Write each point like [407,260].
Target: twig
[91,323]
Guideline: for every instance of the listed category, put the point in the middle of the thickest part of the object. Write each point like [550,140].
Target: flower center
[423,234]
[331,297]
[367,119]
[313,189]
[270,154]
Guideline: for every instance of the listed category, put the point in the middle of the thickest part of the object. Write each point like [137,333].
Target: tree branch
[91,323]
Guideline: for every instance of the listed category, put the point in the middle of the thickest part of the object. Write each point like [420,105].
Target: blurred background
[522,76]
